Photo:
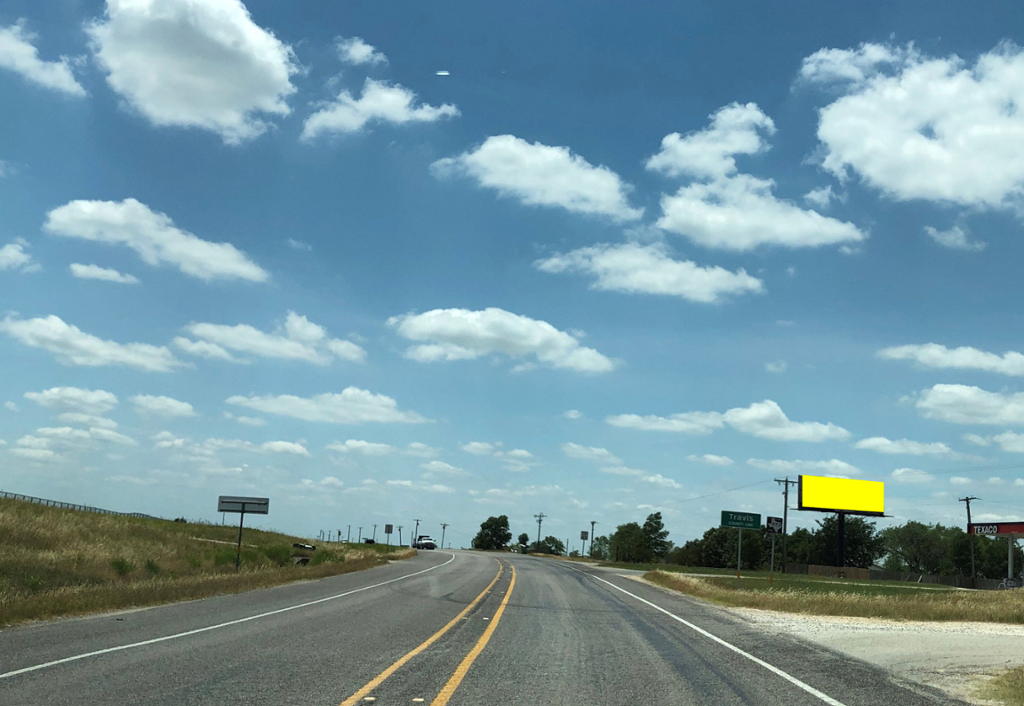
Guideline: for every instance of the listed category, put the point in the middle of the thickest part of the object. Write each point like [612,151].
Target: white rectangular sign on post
[250,506]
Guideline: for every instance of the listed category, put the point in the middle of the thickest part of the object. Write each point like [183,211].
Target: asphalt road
[443,628]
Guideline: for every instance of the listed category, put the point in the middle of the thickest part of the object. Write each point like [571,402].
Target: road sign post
[584,535]
[741,521]
[387,531]
[242,505]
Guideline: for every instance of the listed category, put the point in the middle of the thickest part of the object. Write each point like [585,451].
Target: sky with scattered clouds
[585,261]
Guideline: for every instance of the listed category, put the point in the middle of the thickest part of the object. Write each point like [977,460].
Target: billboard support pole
[238,553]
[739,554]
[842,540]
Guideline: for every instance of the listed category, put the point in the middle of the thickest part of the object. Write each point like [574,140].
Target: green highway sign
[741,520]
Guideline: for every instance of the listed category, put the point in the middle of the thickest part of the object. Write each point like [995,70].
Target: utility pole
[970,536]
[416,533]
[444,528]
[348,539]
[540,518]
[399,535]
[374,537]
[786,482]
[360,540]
[592,523]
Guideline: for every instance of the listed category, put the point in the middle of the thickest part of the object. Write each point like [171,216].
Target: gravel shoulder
[956,657]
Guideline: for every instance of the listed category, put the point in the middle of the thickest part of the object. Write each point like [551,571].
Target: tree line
[912,547]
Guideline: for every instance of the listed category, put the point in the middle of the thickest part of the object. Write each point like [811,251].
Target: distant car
[424,542]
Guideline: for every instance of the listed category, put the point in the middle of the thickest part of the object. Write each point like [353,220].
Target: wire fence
[70,506]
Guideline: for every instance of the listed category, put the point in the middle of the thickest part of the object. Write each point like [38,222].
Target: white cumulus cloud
[710,459]
[350,406]
[367,448]
[933,355]
[153,236]
[542,175]
[14,256]
[195,63]
[74,399]
[591,453]
[101,273]
[19,54]
[911,475]
[380,102]
[355,50]
[831,467]
[765,420]
[159,406]
[72,346]
[650,269]
[298,339]
[710,152]
[966,404]
[955,238]
[903,446]
[922,127]
[461,334]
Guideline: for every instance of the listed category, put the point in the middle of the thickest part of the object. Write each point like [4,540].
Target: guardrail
[70,506]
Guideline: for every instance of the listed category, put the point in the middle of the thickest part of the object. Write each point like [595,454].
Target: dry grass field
[809,596]
[63,562]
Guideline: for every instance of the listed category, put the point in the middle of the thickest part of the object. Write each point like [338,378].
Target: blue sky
[269,250]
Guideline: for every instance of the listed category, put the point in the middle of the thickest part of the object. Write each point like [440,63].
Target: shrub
[323,556]
[194,562]
[224,556]
[152,568]
[121,566]
[278,554]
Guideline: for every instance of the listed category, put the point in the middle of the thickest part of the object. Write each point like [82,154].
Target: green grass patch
[56,562]
[814,596]
[1008,687]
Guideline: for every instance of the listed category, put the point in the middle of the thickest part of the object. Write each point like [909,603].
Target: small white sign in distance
[237,503]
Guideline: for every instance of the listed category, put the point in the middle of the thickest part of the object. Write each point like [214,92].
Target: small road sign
[387,529]
[250,506]
[773,525]
[741,520]
[584,535]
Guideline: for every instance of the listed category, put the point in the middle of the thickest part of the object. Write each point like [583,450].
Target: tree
[864,545]
[494,534]
[656,536]
[629,544]
[599,548]
[524,539]
[549,545]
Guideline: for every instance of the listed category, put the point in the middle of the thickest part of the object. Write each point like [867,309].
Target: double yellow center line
[463,668]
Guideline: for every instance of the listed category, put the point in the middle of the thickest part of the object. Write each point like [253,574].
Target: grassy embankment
[63,562]
[820,596]
[1008,688]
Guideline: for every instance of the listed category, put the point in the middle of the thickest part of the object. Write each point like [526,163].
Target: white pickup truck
[424,542]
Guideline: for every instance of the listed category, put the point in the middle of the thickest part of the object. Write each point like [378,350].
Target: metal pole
[842,541]
[444,528]
[238,554]
[592,523]
[970,536]
[399,535]
[739,554]
[348,537]
[360,540]
[1009,557]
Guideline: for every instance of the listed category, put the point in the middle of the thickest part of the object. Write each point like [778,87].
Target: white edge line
[175,636]
[771,668]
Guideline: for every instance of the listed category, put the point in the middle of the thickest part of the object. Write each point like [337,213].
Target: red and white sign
[996,528]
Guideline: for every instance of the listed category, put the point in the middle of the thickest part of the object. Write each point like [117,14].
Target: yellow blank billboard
[859,497]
